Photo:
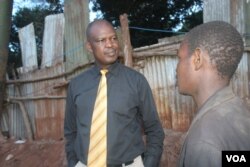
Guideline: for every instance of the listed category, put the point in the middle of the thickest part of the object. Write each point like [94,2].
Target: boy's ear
[197,59]
[88,47]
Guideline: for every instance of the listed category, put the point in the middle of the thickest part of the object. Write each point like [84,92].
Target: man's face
[184,70]
[103,44]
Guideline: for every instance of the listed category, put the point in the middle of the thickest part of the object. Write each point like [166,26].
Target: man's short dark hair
[221,41]
[88,33]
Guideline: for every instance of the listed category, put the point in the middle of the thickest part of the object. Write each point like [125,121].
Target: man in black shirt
[131,110]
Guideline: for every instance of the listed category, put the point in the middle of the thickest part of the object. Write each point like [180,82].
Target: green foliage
[25,16]
[151,14]
[191,21]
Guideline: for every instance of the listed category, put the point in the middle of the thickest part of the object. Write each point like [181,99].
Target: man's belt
[121,165]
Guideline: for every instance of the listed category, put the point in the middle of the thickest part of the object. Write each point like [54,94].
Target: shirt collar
[113,69]
[219,97]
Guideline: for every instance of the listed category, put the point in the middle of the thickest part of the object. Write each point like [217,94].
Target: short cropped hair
[221,41]
[90,25]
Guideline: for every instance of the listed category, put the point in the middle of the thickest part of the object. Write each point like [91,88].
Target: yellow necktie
[97,156]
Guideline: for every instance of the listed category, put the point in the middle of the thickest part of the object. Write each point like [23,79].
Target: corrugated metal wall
[53,40]
[45,115]
[49,113]
[176,111]
[237,13]
[216,10]
[28,47]
[76,19]
[240,81]
[231,11]
[29,58]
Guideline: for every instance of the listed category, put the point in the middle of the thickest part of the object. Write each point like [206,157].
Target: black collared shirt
[130,105]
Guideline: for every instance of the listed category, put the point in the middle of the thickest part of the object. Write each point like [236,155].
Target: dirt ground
[32,154]
[51,153]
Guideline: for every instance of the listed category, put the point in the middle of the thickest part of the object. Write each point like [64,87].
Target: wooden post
[5,24]
[25,115]
[126,40]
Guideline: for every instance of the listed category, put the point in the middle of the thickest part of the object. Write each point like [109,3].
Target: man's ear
[197,59]
[88,47]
